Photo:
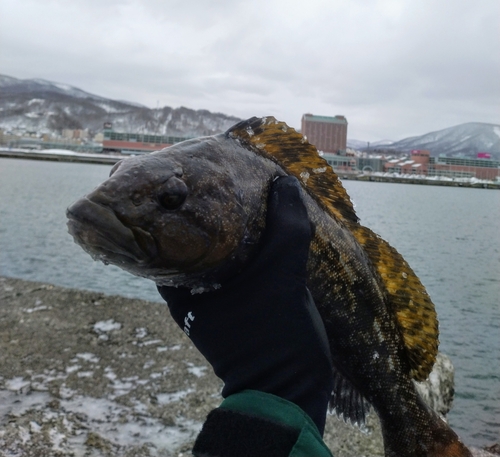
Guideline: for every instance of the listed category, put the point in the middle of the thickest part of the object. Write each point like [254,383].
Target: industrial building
[328,134]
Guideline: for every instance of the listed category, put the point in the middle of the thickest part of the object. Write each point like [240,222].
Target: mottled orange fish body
[380,321]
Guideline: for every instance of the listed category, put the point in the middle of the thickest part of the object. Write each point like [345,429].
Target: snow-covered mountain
[464,139]
[48,107]
[9,85]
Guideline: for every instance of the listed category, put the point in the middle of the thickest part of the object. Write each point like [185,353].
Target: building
[328,134]
[421,163]
[136,143]
[342,162]
[77,134]
[416,165]
[370,164]
[461,167]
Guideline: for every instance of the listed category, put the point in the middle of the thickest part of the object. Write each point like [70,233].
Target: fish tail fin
[442,441]
[434,438]
[456,449]
[421,434]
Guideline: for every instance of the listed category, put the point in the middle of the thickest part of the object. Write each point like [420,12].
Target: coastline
[66,156]
[374,177]
[84,373]
[419,181]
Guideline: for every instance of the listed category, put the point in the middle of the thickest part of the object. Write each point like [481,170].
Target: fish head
[175,215]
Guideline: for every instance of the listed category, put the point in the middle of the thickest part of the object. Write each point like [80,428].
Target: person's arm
[265,339]
[254,424]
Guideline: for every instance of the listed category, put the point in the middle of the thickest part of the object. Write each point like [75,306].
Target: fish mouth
[98,230]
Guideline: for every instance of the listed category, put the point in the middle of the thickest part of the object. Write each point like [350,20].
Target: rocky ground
[85,374]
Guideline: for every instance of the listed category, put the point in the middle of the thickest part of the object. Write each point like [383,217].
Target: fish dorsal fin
[346,401]
[407,298]
[408,301]
[283,145]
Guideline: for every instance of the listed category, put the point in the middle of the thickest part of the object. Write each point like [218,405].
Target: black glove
[261,330]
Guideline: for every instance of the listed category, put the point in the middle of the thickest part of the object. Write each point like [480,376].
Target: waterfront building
[136,143]
[75,134]
[421,163]
[417,164]
[370,164]
[464,167]
[343,162]
[328,134]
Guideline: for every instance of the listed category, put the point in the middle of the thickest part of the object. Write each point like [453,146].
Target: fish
[192,215]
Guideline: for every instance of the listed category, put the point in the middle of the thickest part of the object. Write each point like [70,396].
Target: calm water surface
[450,236]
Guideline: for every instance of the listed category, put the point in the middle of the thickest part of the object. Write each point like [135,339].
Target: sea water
[449,235]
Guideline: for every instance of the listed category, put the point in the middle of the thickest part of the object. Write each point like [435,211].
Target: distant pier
[67,156]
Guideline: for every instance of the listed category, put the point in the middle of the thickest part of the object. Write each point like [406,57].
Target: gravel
[86,374]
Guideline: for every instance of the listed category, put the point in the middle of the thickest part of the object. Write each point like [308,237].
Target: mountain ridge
[49,107]
[466,139]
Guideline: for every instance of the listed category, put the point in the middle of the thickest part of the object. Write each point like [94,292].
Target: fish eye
[115,167]
[173,193]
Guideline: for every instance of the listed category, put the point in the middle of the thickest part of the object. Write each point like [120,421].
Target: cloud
[393,67]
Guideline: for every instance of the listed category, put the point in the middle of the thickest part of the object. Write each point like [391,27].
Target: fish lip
[99,246]
[103,235]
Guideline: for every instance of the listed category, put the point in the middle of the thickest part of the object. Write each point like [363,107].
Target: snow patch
[88,357]
[165,399]
[197,371]
[16,384]
[175,347]
[36,308]
[107,326]
[35,100]
[148,343]
[85,374]
[69,426]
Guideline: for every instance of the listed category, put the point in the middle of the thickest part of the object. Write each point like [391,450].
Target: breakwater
[67,156]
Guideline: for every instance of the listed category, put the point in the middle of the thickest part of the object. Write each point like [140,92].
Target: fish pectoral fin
[346,401]
[408,301]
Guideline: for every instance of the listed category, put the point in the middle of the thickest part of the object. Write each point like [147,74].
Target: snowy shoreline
[85,373]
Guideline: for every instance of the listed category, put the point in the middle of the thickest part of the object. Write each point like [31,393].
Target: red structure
[132,147]
[328,134]
[421,163]
[136,143]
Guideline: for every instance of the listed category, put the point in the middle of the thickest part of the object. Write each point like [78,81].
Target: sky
[394,68]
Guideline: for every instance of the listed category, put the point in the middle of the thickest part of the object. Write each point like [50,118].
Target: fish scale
[380,321]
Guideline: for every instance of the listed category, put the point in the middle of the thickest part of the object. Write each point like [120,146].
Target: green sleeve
[264,417]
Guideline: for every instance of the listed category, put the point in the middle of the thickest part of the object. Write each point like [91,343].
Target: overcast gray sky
[394,68]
